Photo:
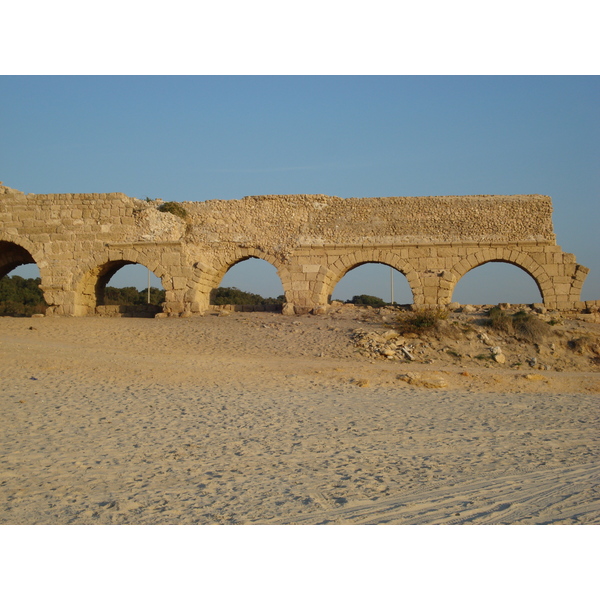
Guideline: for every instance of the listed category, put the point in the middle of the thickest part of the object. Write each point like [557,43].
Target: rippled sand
[257,418]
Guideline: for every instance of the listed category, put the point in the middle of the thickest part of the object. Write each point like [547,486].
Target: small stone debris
[386,345]
[426,380]
[498,355]
[406,353]
[534,377]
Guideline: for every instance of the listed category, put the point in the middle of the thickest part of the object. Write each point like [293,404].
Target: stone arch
[347,262]
[505,255]
[16,251]
[209,276]
[89,288]
[12,256]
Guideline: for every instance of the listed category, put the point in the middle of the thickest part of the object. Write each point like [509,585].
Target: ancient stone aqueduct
[79,241]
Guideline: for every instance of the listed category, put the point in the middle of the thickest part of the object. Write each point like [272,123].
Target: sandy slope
[258,418]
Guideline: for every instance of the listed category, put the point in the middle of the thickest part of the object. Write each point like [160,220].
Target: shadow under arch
[13,255]
[521,260]
[92,285]
[347,263]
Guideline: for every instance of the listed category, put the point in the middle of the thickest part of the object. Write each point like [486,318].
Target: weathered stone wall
[291,221]
[80,240]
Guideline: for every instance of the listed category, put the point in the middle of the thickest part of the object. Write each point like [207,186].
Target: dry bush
[500,321]
[174,208]
[448,330]
[585,344]
[524,326]
[420,321]
[531,329]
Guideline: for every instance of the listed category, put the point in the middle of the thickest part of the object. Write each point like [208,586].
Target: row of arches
[486,283]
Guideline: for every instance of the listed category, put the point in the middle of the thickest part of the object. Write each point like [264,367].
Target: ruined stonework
[80,240]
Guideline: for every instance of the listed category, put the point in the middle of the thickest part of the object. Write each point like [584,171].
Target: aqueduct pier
[79,241]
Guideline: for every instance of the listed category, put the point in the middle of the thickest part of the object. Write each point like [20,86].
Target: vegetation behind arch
[20,297]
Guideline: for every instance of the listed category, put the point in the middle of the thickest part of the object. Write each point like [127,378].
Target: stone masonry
[79,241]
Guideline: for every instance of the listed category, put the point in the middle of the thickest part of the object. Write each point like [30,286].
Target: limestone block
[552,270]
[288,309]
[445,251]
[421,252]
[170,259]
[558,258]
[311,268]
[174,307]
[297,276]
[564,304]
[179,283]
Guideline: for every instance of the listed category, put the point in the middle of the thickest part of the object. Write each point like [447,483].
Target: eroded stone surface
[80,240]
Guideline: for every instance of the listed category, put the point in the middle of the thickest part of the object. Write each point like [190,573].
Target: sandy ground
[266,419]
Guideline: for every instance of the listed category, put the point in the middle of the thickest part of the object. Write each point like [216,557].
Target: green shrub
[174,208]
[20,297]
[131,296]
[365,300]
[585,344]
[224,295]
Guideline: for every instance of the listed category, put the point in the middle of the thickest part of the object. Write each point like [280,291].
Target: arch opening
[12,256]
[495,282]
[373,283]
[20,279]
[122,288]
[250,281]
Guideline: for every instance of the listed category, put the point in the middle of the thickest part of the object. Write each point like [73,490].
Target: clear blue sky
[202,137]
